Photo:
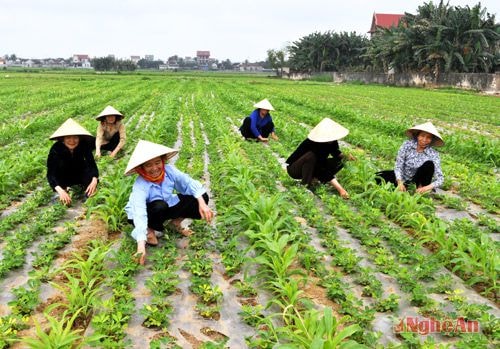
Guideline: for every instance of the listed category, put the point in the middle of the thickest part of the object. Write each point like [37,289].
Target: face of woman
[110,119]
[71,142]
[263,112]
[424,139]
[153,167]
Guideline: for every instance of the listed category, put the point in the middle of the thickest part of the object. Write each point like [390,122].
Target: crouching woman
[70,162]
[318,157]
[153,200]
[417,162]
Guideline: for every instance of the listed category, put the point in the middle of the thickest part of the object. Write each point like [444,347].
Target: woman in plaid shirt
[417,161]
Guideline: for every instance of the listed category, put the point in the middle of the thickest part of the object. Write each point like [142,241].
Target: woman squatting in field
[417,162]
[318,157]
[110,134]
[153,201]
[70,161]
[259,125]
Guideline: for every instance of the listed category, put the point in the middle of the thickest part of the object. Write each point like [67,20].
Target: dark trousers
[307,167]
[422,177]
[76,179]
[113,142]
[265,130]
[158,211]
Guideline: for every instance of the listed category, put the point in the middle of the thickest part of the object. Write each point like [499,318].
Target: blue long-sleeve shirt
[256,122]
[144,192]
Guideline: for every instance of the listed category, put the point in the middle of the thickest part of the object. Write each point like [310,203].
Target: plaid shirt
[409,160]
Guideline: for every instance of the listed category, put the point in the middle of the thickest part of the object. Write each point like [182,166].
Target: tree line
[111,64]
[438,38]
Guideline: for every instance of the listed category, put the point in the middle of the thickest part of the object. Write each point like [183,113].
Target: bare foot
[151,237]
[176,224]
[186,232]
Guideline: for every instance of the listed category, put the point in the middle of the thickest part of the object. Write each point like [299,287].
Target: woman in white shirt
[110,134]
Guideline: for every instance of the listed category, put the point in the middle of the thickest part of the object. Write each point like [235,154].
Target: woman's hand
[263,139]
[273,136]
[113,153]
[141,252]
[63,195]
[351,157]
[205,211]
[425,189]
[342,192]
[91,189]
[401,186]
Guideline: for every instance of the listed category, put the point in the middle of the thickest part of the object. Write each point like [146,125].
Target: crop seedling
[251,315]
[156,314]
[208,311]
[59,335]
[390,303]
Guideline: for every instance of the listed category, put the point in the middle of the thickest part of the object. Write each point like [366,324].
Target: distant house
[81,61]
[54,63]
[203,57]
[149,57]
[3,62]
[135,59]
[384,20]
[253,67]
[169,66]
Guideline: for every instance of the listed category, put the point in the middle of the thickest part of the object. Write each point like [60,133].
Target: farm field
[280,266]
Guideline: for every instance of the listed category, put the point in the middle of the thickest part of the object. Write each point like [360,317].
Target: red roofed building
[384,20]
[81,61]
[203,57]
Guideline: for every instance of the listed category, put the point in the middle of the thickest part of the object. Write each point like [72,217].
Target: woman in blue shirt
[153,200]
[259,125]
[417,161]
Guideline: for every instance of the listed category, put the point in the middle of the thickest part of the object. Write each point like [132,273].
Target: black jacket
[321,150]
[66,169]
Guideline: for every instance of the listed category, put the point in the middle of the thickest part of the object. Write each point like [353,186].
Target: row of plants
[248,205]
[275,239]
[475,180]
[364,216]
[414,212]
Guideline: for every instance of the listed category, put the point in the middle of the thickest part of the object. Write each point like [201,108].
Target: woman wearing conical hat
[153,200]
[318,157]
[111,134]
[259,125]
[70,161]
[417,161]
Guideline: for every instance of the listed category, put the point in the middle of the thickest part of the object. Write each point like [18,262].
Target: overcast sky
[232,29]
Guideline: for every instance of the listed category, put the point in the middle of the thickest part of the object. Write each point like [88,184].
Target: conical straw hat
[145,151]
[429,128]
[264,104]
[109,110]
[327,131]
[70,128]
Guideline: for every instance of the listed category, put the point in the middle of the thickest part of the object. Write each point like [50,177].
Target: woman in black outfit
[319,157]
[70,161]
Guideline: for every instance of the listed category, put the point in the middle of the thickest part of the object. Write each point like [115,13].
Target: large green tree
[439,38]
[329,51]
[277,60]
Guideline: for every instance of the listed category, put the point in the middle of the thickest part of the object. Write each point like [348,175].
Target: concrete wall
[489,83]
